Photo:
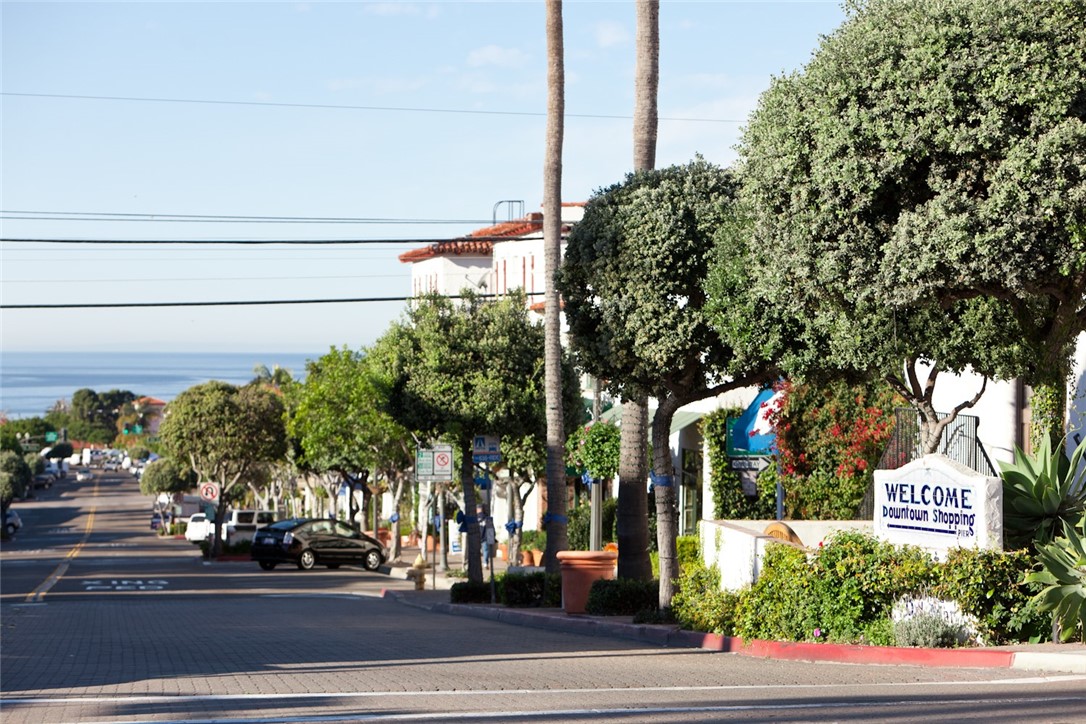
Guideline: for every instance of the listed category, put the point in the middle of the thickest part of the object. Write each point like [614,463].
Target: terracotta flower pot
[580,569]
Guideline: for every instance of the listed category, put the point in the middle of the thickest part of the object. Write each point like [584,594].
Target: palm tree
[555,520]
[632,513]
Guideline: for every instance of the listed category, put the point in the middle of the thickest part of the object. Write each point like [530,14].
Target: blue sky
[419,112]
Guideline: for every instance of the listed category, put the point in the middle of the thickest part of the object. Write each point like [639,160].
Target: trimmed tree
[935,152]
[223,431]
[470,367]
[633,284]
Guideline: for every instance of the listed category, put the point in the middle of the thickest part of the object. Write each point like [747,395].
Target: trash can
[580,569]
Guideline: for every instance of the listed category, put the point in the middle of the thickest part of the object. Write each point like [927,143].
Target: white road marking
[564,714]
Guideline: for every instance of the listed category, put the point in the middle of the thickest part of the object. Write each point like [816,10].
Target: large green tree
[470,367]
[933,152]
[224,431]
[339,418]
[633,282]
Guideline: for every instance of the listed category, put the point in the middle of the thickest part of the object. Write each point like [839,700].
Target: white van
[242,524]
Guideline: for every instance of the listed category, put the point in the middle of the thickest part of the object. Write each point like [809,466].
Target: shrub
[844,593]
[988,585]
[531,590]
[533,540]
[778,605]
[929,630]
[700,605]
[622,597]
[829,438]
[857,578]
[470,592]
[688,550]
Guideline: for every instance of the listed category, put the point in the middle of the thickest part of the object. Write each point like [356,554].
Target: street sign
[486,449]
[434,465]
[209,492]
[50,437]
[755,464]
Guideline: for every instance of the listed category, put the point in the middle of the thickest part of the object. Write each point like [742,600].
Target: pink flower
[818,631]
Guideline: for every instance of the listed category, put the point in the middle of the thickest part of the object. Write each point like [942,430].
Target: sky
[402,121]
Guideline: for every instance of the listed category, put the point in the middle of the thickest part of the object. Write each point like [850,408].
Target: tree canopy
[933,152]
[472,367]
[223,431]
[634,286]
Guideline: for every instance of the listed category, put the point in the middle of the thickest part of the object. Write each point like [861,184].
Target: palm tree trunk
[667,512]
[633,523]
[555,520]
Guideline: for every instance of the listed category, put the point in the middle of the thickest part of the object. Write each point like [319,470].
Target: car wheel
[267,565]
[307,560]
[333,565]
[372,561]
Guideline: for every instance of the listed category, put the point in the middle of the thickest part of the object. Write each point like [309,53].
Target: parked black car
[309,542]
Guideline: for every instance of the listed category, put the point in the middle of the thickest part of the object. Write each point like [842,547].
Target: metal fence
[959,443]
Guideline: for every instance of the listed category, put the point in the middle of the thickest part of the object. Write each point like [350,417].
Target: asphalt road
[104,621]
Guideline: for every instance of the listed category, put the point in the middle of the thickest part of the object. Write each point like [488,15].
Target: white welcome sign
[938,504]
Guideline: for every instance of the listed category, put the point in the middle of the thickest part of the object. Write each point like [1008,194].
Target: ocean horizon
[32,382]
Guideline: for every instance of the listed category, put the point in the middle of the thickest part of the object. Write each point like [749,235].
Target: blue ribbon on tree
[465,520]
[664,481]
[512,526]
[587,479]
[394,517]
[549,516]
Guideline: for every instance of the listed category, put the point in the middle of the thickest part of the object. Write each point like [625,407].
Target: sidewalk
[1052,658]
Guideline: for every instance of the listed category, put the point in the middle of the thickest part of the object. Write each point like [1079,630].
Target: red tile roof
[481,241]
[454,247]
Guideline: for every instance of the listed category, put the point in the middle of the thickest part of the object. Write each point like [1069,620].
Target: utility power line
[392,109]
[24,215]
[240,303]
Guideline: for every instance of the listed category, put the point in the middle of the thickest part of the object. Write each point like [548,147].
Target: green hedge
[531,590]
[844,592]
[622,597]
[471,592]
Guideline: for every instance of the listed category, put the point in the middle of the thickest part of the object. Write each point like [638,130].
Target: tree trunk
[474,548]
[920,394]
[516,505]
[667,512]
[632,514]
[555,520]
[646,85]
[633,523]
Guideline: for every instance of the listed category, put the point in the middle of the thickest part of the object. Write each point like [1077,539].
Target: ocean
[32,382]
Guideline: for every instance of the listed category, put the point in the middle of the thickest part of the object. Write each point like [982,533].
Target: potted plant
[532,545]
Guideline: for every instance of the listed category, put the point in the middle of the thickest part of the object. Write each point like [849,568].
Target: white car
[200,528]
[83,474]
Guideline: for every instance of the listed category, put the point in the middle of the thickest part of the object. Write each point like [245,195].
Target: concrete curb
[674,637]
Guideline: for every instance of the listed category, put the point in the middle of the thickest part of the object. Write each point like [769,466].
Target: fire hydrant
[417,573]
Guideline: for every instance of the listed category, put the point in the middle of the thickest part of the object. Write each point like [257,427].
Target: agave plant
[1063,574]
[1041,493]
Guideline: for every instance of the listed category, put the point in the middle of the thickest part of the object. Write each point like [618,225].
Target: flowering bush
[829,439]
[594,447]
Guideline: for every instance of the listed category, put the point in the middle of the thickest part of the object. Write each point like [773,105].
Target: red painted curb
[846,653]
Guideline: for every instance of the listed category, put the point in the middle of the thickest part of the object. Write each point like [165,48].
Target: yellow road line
[38,593]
